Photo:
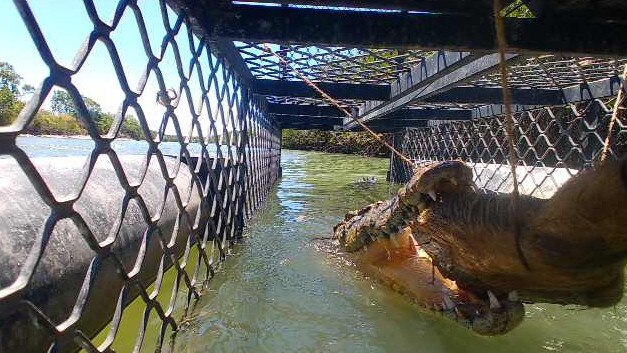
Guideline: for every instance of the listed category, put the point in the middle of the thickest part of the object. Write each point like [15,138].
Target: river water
[279,292]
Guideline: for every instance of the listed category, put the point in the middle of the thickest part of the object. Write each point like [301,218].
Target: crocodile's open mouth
[474,257]
[400,263]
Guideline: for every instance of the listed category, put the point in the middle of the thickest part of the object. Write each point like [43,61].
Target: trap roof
[397,64]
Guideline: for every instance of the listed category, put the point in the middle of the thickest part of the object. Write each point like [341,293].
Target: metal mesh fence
[331,64]
[553,144]
[179,208]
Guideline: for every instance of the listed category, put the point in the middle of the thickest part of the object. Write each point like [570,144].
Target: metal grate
[554,72]
[539,75]
[347,103]
[331,64]
[228,158]
[553,143]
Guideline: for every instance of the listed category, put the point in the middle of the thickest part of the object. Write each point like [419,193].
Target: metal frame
[231,183]
[384,61]
[552,144]
[403,29]
[432,81]
[347,46]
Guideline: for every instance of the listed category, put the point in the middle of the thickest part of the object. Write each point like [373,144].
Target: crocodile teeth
[448,303]
[513,296]
[394,241]
[494,303]
[432,195]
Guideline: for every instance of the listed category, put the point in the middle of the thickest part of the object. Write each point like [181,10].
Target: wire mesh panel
[331,64]
[554,72]
[553,144]
[114,242]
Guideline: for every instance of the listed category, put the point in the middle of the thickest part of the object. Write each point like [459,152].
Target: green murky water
[279,293]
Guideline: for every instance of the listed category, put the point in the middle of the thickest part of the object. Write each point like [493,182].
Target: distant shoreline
[76,137]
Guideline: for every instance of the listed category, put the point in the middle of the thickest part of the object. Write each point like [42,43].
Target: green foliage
[47,123]
[131,128]
[9,79]
[361,143]
[104,123]
[28,89]
[62,103]
[63,120]
[10,106]
[517,9]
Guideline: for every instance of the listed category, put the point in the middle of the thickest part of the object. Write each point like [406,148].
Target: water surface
[280,293]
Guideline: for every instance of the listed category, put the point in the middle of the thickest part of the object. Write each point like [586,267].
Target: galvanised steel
[422,79]
[331,64]
[237,164]
[552,143]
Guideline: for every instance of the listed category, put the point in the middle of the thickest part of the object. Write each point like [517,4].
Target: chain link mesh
[231,152]
[553,144]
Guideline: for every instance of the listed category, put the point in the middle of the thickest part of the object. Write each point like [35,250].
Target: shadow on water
[280,292]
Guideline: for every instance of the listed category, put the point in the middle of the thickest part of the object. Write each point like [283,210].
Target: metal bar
[309,110]
[377,125]
[329,111]
[437,6]
[426,114]
[591,90]
[599,11]
[336,90]
[326,127]
[313,120]
[441,81]
[416,30]
[494,95]
[429,69]
[398,119]
[234,60]
[488,95]
[490,110]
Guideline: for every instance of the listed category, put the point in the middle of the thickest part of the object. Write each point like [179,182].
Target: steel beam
[308,110]
[597,89]
[234,60]
[494,95]
[295,126]
[488,95]
[469,7]
[591,90]
[586,11]
[336,90]
[308,26]
[393,125]
[428,114]
[329,111]
[442,80]
[313,120]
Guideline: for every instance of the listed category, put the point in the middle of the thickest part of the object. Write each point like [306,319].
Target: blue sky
[66,26]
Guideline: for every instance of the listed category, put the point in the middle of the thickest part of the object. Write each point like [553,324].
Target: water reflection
[285,291]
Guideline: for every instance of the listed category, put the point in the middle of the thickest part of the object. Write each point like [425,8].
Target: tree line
[62,118]
[360,143]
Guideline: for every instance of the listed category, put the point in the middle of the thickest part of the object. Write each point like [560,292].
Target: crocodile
[477,257]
